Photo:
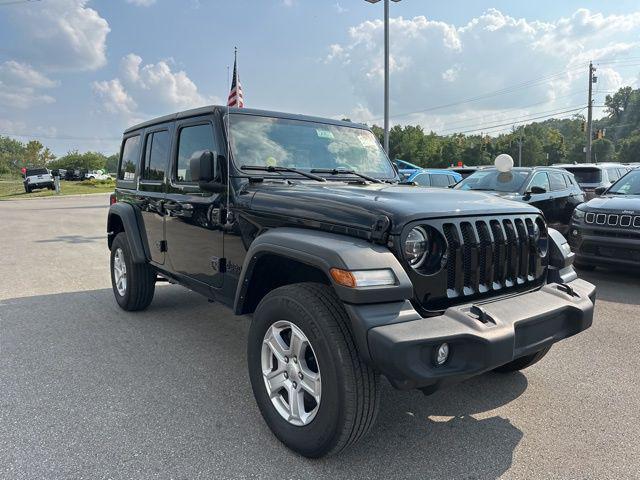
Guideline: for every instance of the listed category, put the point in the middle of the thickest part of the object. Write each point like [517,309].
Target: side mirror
[537,189]
[600,190]
[204,170]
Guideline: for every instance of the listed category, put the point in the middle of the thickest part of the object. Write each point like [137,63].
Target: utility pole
[386,72]
[592,80]
[520,148]
[386,76]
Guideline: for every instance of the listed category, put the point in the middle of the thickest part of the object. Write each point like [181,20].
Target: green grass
[11,188]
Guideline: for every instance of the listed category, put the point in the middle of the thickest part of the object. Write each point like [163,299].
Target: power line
[487,128]
[503,91]
[16,2]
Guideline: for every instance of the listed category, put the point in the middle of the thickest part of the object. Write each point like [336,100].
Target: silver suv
[593,175]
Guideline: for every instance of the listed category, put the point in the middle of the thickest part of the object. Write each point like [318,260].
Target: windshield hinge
[380,229]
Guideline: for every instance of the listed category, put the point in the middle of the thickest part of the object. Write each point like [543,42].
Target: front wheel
[523,362]
[133,283]
[313,390]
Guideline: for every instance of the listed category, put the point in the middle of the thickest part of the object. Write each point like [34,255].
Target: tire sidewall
[121,242]
[316,438]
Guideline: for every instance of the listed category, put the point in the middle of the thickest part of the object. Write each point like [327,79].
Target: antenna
[227,131]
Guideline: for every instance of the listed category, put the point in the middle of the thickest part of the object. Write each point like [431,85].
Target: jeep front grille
[612,219]
[492,254]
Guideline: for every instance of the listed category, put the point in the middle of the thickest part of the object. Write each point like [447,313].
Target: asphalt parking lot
[90,391]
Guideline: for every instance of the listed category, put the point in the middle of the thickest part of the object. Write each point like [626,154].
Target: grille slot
[493,254]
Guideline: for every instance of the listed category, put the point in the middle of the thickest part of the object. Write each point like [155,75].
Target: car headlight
[578,214]
[416,246]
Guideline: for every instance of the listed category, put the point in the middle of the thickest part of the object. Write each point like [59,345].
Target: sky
[76,73]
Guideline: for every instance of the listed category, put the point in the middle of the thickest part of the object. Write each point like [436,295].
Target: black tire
[27,189]
[523,362]
[584,266]
[350,388]
[141,278]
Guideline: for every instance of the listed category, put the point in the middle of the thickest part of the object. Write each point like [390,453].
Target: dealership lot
[90,391]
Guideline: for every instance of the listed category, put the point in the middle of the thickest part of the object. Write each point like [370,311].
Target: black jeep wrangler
[302,223]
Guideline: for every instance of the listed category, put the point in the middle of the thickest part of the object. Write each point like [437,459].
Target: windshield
[627,185]
[305,145]
[586,175]
[495,181]
[36,171]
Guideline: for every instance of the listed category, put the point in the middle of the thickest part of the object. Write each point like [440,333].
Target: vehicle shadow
[614,284]
[112,393]
[73,239]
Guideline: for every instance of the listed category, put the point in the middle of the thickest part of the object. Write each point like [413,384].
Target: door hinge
[162,245]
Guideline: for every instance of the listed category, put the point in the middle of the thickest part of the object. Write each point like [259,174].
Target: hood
[615,202]
[359,206]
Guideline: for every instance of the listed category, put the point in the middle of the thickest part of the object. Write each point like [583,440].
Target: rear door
[422,179]
[440,180]
[152,187]
[193,231]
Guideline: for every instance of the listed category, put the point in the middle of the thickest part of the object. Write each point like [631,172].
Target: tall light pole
[386,71]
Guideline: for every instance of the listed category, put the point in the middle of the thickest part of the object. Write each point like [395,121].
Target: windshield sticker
[271,162]
[324,133]
[367,141]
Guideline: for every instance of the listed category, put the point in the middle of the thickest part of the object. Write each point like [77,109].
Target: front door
[193,230]
[152,186]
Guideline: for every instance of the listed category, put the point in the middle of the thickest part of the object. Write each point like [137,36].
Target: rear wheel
[133,283]
[523,362]
[27,189]
[313,390]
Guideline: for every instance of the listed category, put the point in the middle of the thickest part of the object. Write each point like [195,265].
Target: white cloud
[142,3]
[114,97]
[61,35]
[148,89]
[20,85]
[437,64]
[339,8]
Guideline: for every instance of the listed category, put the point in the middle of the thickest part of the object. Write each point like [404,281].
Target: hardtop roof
[194,112]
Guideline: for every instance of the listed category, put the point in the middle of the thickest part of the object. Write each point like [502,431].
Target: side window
[452,180]
[613,174]
[440,180]
[556,181]
[130,158]
[569,180]
[422,180]
[192,142]
[540,179]
[156,155]
[622,172]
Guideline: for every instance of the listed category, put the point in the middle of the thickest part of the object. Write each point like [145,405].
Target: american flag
[235,95]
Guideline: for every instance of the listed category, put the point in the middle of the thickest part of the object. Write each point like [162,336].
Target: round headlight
[416,246]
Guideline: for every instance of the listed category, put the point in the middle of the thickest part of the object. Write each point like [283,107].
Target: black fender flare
[325,250]
[133,226]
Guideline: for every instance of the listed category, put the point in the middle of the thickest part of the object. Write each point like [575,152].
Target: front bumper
[481,337]
[605,245]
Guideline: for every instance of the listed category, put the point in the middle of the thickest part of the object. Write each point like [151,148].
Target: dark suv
[302,223]
[591,176]
[606,230]
[552,190]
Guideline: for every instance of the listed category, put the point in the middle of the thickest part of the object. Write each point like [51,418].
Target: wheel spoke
[277,381]
[298,344]
[275,342]
[311,383]
[296,405]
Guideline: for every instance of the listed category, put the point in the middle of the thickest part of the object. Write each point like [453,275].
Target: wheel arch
[123,217]
[284,256]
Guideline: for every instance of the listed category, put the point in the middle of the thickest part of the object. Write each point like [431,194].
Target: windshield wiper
[270,168]
[342,171]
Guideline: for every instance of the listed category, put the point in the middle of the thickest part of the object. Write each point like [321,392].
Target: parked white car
[97,175]
[35,178]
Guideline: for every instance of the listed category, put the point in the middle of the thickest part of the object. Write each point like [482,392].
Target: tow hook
[563,287]
[481,314]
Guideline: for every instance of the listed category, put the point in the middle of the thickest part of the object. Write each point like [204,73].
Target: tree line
[15,155]
[543,143]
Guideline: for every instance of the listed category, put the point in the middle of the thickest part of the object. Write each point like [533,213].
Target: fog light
[574,232]
[442,354]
